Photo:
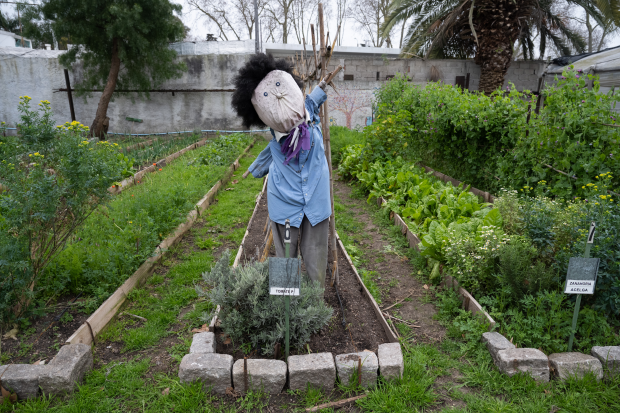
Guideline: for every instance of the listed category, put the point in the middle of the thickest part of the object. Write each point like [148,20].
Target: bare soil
[398,277]
[361,330]
[43,339]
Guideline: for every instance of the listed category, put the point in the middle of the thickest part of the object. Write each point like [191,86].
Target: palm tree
[488,29]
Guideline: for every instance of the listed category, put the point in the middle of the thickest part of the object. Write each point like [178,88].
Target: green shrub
[121,234]
[249,314]
[521,273]
[571,135]
[52,180]
[543,320]
[488,142]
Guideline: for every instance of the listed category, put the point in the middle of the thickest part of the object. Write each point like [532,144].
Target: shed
[605,64]
[8,39]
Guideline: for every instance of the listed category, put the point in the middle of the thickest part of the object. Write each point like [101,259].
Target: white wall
[212,66]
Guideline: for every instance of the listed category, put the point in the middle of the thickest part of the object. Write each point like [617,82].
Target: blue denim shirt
[301,187]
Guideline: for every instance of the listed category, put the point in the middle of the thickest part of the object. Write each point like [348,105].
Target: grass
[161,300]
[341,137]
[117,238]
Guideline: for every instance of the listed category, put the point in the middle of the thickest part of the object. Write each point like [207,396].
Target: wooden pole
[328,154]
[316,63]
[69,95]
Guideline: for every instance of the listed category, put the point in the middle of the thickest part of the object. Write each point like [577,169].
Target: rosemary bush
[249,314]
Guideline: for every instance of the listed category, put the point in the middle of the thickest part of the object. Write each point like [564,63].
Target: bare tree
[281,12]
[303,13]
[341,18]
[369,16]
[219,12]
[270,29]
[245,13]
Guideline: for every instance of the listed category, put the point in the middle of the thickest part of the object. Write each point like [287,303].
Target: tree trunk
[498,29]
[590,30]
[97,128]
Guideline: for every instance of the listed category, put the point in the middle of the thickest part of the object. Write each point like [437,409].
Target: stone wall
[211,67]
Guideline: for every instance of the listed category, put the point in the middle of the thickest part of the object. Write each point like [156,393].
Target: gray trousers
[313,246]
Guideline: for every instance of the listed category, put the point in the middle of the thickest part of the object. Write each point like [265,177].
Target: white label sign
[579,287]
[283,291]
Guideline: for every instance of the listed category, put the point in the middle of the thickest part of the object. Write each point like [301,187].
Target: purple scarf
[290,147]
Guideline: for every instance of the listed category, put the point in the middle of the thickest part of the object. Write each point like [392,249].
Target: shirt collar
[279,135]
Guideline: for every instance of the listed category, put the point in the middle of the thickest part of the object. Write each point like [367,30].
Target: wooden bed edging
[240,250]
[388,331]
[88,331]
[445,178]
[469,302]
[129,182]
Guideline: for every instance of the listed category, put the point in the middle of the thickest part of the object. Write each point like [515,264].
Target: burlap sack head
[249,77]
[278,101]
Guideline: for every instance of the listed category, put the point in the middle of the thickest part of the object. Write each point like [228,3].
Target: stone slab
[67,369]
[317,369]
[609,357]
[527,360]
[496,342]
[347,365]
[22,379]
[391,362]
[212,369]
[565,365]
[203,343]
[268,376]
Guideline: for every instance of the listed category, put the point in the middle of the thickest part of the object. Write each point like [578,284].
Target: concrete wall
[212,66]
[359,91]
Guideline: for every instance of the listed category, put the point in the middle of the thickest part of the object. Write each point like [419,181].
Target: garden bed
[28,349]
[469,302]
[364,328]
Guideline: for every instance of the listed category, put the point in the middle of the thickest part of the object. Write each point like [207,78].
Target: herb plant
[249,314]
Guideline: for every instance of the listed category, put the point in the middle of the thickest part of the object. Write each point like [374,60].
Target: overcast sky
[199,25]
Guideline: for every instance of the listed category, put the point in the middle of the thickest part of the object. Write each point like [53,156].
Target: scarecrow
[268,93]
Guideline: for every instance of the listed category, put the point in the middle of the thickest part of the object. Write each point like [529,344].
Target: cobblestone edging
[219,374]
[603,361]
[59,376]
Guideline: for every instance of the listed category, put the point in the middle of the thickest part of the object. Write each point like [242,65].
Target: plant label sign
[284,276]
[581,275]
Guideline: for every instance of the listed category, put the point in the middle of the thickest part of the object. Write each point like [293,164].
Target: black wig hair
[248,78]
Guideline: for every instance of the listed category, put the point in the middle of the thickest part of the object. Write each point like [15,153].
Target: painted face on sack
[279,102]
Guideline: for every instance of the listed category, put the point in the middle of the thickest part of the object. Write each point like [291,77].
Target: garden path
[382,252]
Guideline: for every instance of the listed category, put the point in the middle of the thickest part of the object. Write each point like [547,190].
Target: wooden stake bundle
[328,152]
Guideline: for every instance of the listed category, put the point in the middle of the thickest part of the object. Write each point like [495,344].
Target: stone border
[560,366]
[469,302]
[220,374]
[89,330]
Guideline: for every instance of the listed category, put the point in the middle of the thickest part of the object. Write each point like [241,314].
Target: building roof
[604,61]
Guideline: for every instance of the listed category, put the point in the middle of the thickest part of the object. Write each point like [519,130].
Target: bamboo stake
[316,63]
[303,63]
[328,154]
[335,404]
